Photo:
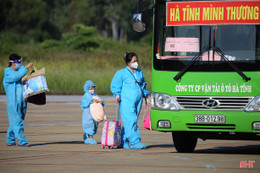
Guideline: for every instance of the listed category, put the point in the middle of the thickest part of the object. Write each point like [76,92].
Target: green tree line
[75,40]
[30,21]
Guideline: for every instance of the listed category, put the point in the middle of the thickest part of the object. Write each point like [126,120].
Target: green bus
[205,70]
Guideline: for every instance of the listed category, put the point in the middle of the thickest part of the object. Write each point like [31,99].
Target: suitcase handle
[117,110]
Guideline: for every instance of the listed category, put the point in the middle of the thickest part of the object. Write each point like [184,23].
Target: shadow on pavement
[247,149]
[161,146]
[53,143]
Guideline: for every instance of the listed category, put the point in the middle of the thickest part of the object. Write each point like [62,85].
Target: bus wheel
[184,142]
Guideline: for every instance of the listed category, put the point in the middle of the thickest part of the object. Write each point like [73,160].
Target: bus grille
[224,103]
[212,126]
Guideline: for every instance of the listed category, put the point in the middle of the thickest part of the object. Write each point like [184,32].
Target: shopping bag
[97,111]
[147,120]
[34,73]
[34,83]
[38,99]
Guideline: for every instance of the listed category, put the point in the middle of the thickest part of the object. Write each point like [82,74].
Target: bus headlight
[163,101]
[254,105]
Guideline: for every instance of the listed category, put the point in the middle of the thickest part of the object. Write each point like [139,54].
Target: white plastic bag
[34,85]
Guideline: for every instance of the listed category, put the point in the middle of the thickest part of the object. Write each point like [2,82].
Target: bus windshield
[176,46]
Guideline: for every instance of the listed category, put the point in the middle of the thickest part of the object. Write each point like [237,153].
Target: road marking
[186,158]
[209,166]
[179,157]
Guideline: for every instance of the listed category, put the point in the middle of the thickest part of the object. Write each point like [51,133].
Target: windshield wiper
[221,53]
[177,78]
[195,59]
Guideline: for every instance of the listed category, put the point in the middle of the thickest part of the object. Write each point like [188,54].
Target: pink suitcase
[111,134]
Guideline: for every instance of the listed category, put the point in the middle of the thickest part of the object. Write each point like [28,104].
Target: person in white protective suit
[16,105]
[89,125]
[128,85]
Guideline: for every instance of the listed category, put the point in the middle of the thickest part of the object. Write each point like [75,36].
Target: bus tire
[184,142]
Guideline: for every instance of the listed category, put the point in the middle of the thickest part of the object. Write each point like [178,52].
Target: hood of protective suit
[88,84]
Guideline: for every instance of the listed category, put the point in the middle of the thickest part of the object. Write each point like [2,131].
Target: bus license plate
[210,119]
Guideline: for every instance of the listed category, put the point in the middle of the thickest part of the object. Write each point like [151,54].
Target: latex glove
[29,65]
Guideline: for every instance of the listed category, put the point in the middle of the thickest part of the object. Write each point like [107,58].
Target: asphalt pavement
[55,134]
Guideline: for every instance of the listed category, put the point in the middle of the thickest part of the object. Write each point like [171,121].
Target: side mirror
[138,24]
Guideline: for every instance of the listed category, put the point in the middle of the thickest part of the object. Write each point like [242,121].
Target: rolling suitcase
[111,133]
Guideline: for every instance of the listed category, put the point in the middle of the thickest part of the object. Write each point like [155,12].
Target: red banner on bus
[212,13]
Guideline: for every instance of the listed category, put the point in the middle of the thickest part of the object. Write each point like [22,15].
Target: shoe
[138,146]
[24,145]
[90,141]
[85,136]
[125,145]
[11,144]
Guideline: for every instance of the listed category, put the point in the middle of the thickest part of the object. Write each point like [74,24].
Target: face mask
[92,91]
[134,65]
[17,66]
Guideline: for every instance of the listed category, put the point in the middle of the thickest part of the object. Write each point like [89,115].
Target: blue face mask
[17,66]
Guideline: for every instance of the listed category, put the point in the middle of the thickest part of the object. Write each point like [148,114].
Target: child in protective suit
[89,125]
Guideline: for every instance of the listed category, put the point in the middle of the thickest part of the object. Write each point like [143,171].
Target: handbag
[38,99]
[97,111]
[147,120]
[34,73]
[34,83]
